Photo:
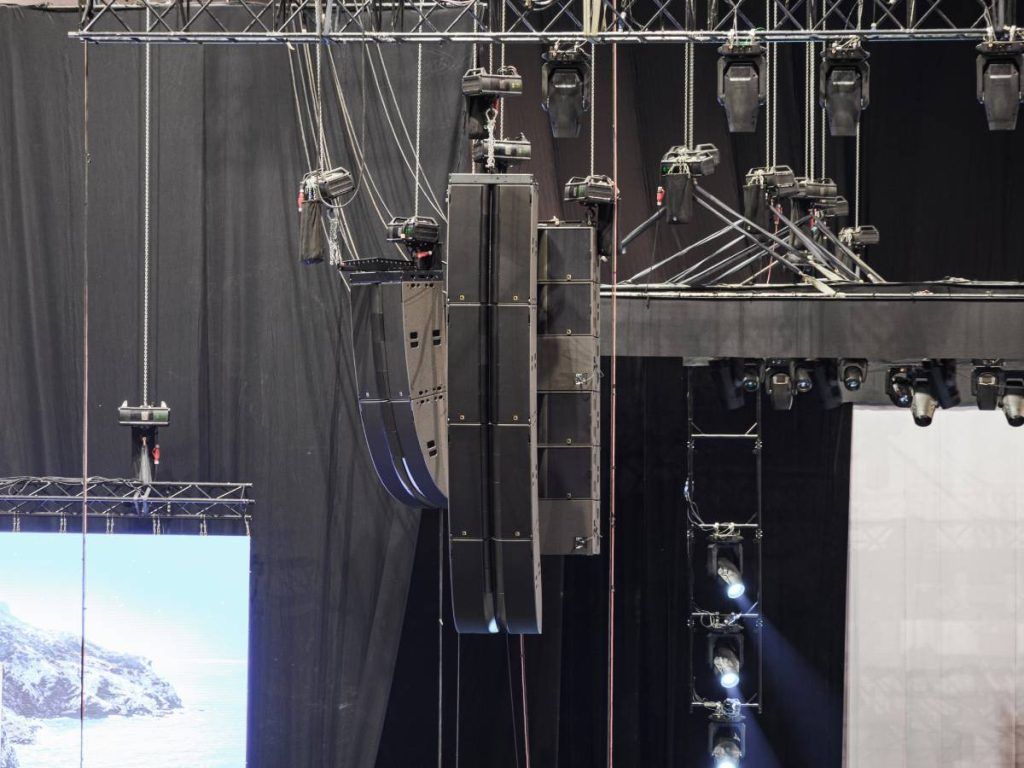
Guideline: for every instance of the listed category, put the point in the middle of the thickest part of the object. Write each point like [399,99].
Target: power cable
[87,161]
[419,118]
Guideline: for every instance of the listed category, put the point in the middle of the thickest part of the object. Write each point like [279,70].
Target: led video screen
[165,654]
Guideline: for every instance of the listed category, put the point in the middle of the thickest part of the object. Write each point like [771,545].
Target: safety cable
[522,687]
[147,106]
[512,699]
[419,117]
[440,635]
[87,161]
[768,77]
[593,105]
[504,17]
[614,373]
[856,177]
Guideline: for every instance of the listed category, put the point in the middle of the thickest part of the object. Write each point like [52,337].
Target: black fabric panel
[251,349]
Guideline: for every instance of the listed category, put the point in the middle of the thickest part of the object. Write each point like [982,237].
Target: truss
[531,21]
[111,499]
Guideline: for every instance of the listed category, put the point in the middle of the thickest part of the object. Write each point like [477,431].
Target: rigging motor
[319,192]
[679,167]
[484,91]
[598,195]
[144,421]
[765,187]
[503,152]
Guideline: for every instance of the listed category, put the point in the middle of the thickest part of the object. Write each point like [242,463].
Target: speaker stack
[492,403]
[568,389]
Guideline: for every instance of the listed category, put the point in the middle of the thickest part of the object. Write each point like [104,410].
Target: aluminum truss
[806,249]
[110,499]
[531,21]
[702,532]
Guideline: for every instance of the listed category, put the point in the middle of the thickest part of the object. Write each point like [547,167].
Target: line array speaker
[568,390]
[398,338]
[492,389]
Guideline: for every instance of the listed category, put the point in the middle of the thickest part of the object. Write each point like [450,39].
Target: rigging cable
[440,635]
[522,687]
[419,117]
[593,104]
[87,160]
[512,699]
[147,106]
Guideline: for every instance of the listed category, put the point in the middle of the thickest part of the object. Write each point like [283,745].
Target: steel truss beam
[109,498]
[531,21]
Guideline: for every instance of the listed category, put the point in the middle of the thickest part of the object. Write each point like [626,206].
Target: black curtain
[251,350]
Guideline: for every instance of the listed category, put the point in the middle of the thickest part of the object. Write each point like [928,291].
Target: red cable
[614,371]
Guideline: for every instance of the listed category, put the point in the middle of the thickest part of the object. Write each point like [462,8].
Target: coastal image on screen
[166,649]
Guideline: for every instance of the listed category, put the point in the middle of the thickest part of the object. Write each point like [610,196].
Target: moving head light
[843,85]
[565,89]
[742,84]
[994,388]
[679,167]
[924,388]
[483,91]
[726,739]
[999,65]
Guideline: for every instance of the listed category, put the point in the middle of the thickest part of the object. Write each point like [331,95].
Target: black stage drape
[941,189]
[251,349]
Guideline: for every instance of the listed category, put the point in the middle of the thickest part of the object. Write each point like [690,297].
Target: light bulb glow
[736,590]
[730,680]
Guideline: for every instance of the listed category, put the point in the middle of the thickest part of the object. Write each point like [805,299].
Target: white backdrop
[936,592]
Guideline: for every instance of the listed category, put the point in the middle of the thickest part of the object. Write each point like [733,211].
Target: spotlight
[923,407]
[843,85]
[725,563]
[679,167]
[853,372]
[751,376]
[778,384]
[899,389]
[742,88]
[564,85]
[1013,398]
[802,379]
[726,740]
[725,655]
[859,238]
[999,64]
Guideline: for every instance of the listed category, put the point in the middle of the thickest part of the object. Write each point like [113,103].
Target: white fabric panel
[935,607]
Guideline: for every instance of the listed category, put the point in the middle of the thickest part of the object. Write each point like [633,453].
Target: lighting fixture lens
[736,590]
[853,377]
[1013,409]
[804,383]
[730,680]
[726,762]
[730,574]
[727,667]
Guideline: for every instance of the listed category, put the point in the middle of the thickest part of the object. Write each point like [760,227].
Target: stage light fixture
[726,740]
[923,406]
[679,167]
[998,70]
[843,85]
[854,372]
[987,387]
[742,85]
[1012,401]
[732,576]
[725,655]
[751,381]
[565,89]
[899,389]
[802,379]
[859,238]
[598,195]
[778,384]
[765,187]
[505,152]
